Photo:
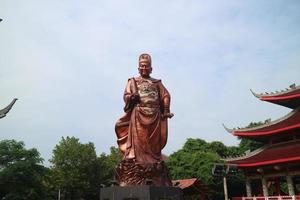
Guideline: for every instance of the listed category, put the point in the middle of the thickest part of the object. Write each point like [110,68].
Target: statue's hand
[135,98]
[167,113]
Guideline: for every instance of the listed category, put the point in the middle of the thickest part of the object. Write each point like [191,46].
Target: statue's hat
[145,58]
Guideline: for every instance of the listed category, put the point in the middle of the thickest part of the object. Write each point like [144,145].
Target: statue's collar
[153,80]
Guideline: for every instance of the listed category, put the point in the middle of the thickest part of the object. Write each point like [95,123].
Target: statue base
[130,173]
[145,192]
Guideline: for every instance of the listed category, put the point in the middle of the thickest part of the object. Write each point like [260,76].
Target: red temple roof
[289,98]
[283,134]
[185,183]
[284,125]
[270,155]
[288,124]
[192,186]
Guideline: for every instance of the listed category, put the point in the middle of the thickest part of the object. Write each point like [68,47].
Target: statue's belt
[148,105]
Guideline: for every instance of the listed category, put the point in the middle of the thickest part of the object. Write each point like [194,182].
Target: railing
[268,198]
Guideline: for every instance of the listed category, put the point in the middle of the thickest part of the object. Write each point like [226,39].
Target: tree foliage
[185,165]
[21,172]
[75,170]
[196,160]
[217,147]
[247,144]
[108,163]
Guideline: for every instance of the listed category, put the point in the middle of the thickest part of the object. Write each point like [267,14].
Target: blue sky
[68,63]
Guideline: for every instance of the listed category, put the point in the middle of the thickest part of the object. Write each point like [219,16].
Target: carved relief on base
[129,173]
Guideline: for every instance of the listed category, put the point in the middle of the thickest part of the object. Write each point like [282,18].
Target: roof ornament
[293,86]
[267,121]
[228,129]
[255,94]
[247,152]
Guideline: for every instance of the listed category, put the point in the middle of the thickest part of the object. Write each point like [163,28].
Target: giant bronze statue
[142,132]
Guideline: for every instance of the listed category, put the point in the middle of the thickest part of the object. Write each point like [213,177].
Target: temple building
[277,163]
[193,188]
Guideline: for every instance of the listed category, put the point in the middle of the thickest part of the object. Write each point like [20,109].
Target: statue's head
[145,68]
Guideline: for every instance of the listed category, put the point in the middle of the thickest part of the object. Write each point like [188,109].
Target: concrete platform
[145,192]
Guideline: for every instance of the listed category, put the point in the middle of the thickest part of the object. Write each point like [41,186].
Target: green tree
[108,164]
[248,144]
[196,160]
[21,172]
[75,170]
[185,165]
[193,145]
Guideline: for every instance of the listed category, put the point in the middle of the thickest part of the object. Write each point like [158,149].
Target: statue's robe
[142,132]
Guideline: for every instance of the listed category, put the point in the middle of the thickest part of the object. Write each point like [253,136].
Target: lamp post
[222,170]
[58,194]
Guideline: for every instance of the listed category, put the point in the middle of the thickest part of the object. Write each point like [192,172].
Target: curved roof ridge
[261,149]
[5,110]
[267,123]
[292,88]
[229,130]
[248,155]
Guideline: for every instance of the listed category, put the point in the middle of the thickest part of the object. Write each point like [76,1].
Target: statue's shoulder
[130,79]
[154,80]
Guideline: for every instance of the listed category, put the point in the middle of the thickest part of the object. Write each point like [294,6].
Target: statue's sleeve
[164,96]
[165,107]
[128,91]
[127,94]
[122,125]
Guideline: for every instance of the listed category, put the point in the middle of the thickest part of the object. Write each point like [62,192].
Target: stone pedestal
[129,172]
[145,192]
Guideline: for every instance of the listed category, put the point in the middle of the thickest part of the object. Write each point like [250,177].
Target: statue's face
[145,69]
